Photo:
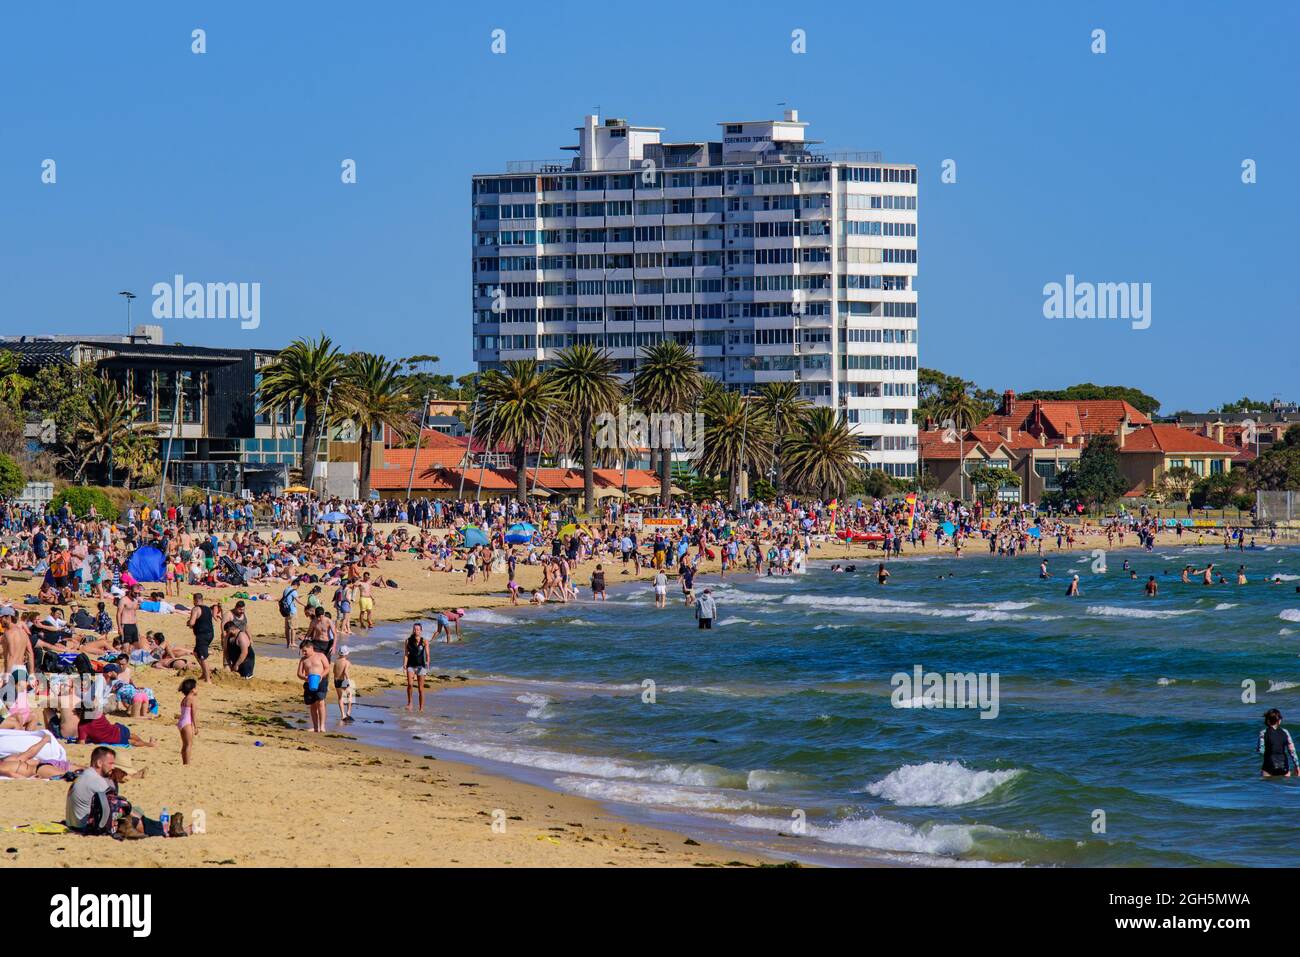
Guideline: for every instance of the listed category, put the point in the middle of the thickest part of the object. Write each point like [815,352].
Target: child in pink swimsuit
[187,725]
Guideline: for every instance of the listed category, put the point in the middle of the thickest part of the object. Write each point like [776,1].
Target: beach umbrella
[334,517]
[609,493]
[1035,532]
[948,528]
[569,529]
[520,534]
[524,526]
[298,490]
[473,536]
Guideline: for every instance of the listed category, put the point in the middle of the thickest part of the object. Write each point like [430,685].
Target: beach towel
[14,741]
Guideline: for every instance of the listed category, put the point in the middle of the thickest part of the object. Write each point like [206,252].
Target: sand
[304,799]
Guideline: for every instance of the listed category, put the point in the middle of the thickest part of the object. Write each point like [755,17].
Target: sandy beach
[270,793]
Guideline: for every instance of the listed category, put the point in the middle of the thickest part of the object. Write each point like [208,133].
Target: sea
[967,713]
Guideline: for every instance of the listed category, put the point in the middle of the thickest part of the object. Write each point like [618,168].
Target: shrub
[80,498]
[11,477]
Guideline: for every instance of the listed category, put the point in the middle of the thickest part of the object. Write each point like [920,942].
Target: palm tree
[821,454]
[373,394]
[668,382]
[737,436]
[585,378]
[784,406]
[110,420]
[13,385]
[304,373]
[513,405]
[956,404]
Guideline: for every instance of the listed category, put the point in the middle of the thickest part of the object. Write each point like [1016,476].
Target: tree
[1097,477]
[588,385]
[13,385]
[668,382]
[514,403]
[136,457]
[110,421]
[784,406]
[373,394]
[59,393]
[1278,469]
[738,435]
[873,483]
[1215,491]
[11,477]
[304,374]
[935,389]
[1087,390]
[1177,482]
[822,454]
[13,440]
[1244,404]
[957,406]
[988,481]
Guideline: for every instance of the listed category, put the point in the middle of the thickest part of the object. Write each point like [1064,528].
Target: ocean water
[1120,738]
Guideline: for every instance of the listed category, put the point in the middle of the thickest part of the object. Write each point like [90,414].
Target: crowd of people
[75,655]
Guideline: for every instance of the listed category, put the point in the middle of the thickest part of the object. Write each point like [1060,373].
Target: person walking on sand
[343,684]
[201,624]
[313,670]
[289,611]
[365,602]
[188,723]
[415,662]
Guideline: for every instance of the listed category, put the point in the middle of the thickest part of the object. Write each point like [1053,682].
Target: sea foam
[938,784]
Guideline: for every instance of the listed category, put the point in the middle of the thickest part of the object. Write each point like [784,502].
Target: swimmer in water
[1241,574]
[882,574]
[1276,747]
[1073,590]
[1042,569]
[1151,587]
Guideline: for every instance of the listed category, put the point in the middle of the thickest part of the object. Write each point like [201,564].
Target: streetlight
[128,296]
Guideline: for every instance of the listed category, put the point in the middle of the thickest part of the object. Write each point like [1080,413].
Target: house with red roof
[1147,453]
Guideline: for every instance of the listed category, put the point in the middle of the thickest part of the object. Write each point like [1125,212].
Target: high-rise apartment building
[771,259]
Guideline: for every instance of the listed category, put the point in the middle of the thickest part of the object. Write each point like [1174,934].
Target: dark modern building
[201,400]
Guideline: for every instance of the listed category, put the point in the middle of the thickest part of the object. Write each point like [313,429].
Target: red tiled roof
[932,445]
[440,458]
[1084,417]
[1169,438]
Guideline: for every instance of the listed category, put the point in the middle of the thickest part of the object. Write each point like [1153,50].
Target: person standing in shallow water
[415,662]
[1277,748]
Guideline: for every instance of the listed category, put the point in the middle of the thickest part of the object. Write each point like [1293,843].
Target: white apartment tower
[772,260]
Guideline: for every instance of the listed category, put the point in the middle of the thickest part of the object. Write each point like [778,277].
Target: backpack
[118,808]
[286,607]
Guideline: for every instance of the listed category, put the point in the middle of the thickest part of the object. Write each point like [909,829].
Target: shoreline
[354,803]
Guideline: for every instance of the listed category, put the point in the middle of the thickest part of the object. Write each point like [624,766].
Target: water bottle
[165,819]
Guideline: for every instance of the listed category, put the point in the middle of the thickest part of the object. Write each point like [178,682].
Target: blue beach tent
[147,564]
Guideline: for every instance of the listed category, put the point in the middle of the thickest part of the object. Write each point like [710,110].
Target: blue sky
[1118,167]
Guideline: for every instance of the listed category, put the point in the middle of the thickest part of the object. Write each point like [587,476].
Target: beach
[270,793]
